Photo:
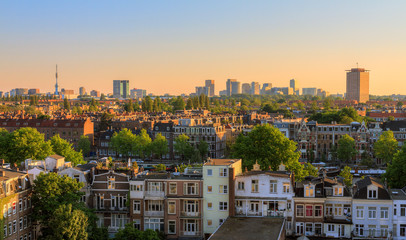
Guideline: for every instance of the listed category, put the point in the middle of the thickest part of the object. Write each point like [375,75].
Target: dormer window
[309,190]
[111,183]
[372,194]
[338,191]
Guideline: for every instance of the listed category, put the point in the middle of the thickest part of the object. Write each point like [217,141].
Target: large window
[223,172]
[100,201]
[384,212]
[317,228]
[273,186]
[338,209]
[190,188]
[318,211]
[338,191]
[155,187]
[209,172]
[372,194]
[309,210]
[347,209]
[309,191]
[254,186]
[371,212]
[223,189]
[286,187]
[299,211]
[118,220]
[402,231]
[299,228]
[402,210]
[309,228]
[240,186]
[171,227]
[155,205]
[154,224]
[172,188]
[111,183]
[329,209]
[171,207]
[360,212]
[330,227]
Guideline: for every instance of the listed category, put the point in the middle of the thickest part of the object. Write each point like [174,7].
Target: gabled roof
[56,156]
[362,189]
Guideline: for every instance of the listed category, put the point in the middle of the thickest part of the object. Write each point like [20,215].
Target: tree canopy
[84,145]
[346,148]
[386,146]
[396,170]
[64,148]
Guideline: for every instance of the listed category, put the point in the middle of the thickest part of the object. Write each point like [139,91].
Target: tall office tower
[228,86]
[255,88]
[358,84]
[82,91]
[95,93]
[121,88]
[138,93]
[235,88]
[295,85]
[246,88]
[210,85]
[56,78]
[266,87]
[202,90]
[309,91]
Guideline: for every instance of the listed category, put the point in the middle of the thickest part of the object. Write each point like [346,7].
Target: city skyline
[173,47]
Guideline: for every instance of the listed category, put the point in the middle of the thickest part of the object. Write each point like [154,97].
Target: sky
[172,46]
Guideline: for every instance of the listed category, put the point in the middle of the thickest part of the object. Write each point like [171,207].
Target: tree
[131,233]
[399,104]
[143,143]
[346,174]
[182,146]
[203,149]
[396,171]
[386,146]
[310,170]
[346,148]
[5,138]
[68,224]
[102,97]
[123,142]
[84,145]
[189,104]
[160,167]
[27,143]
[159,146]
[51,191]
[178,104]
[105,121]
[66,104]
[266,145]
[64,148]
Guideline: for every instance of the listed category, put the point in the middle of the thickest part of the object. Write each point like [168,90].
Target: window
[210,205]
[360,212]
[137,206]
[5,210]
[384,212]
[329,209]
[309,191]
[318,211]
[299,211]
[190,188]
[5,230]
[309,228]
[273,186]
[359,229]
[14,207]
[154,224]
[155,206]
[172,188]
[137,224]
[402,231]
[209,172]
[155,186]
[330,227]
[10,228]
[223,189]
[338,209]
[317,228]
[137,188]
[171,227]
[209,189]
[171,207]
[254,186]
[394,209]
[371,212]
[21,226]
[384,230]
[14,226]
[347,210]
[25,222]
[223,206]
[111,183]
[20,204]
[402,210]
[286,187]
[371,230]
[209,222]
[299,228]
[372,194]
[338,191]
[223,172]
[309,210]
[240,186]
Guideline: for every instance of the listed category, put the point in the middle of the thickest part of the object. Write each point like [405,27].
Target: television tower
[56,77]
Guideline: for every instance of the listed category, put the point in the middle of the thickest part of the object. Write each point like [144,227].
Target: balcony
[154,213]
[155,194]
[366,233]
[190,214]
[190,233]
[118,209]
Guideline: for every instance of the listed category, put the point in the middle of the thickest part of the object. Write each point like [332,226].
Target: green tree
[147,104]
[203,149]
[130,233]
[269,147]
[346,174]
[178,104]
[399,104]
[143,144]
[68,224]
[64,148]
[5,138]
[84,145]
[310,170]
[346,148]
[105,121]
[386,146]
[159,146]
[182,146]
[189,104]
[66,104]
[27,143]
[102,97]
[123,142]
[160,167]
[396,170]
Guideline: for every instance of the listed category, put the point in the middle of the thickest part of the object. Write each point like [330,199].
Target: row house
[399,213]
[109,195]
[372,206]
[171,203]
[166,129]
[322,208]
[265,194]
[398,128]
[15,193]
[213,134]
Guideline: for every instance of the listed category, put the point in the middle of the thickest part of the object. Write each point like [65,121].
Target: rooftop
[221,162]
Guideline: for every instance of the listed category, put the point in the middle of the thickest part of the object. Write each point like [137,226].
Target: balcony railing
[154,213]
[118,208]
[155,194]
[190,233]
[190,214]
[372,233]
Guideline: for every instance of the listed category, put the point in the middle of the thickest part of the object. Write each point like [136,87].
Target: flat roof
[220,162]
[247,228]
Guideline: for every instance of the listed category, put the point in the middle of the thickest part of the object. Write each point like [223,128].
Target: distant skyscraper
[266,87]
[95,93]
[235,88]
[210,85]
[138,93]
[82,91]
[246,88]
[358,85]
[228,86]
[56,78]
[202,90]
[21,91]
[309,91]
[33,91]
[121,88]
[255,88]
[295,85]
